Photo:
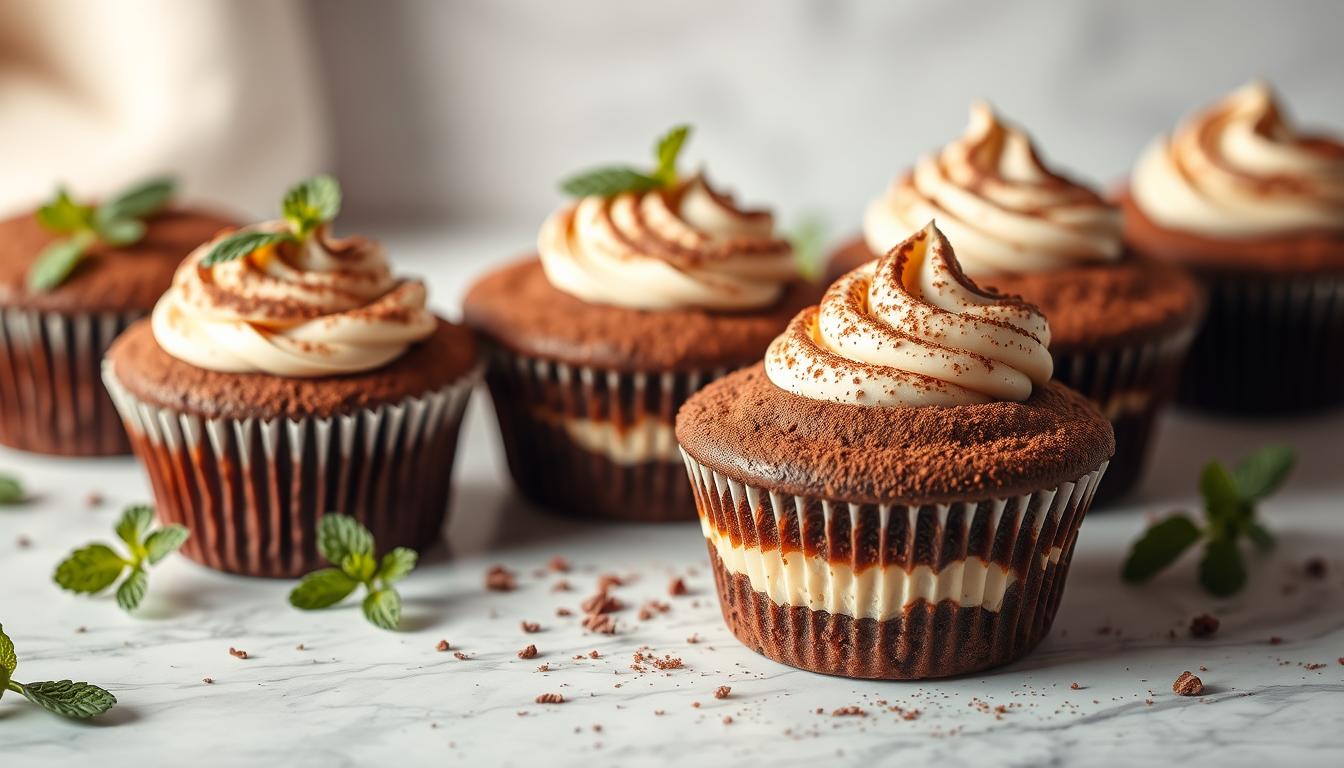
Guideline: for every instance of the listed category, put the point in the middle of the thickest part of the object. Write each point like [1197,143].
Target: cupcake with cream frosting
[1255,208]
[895,492]
[285,374]
[1121,327]
[644,289]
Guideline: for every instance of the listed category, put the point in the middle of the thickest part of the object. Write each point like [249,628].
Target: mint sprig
[118,221]
[1230,499]
[11,490]
[306,207]
[344,542]
[95,567]
[62,697]
[610,181]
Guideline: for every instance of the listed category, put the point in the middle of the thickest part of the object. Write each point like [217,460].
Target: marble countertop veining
[354,695]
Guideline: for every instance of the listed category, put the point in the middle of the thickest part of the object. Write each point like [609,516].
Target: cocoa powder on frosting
[747,428]
[517,307]
[1091,305]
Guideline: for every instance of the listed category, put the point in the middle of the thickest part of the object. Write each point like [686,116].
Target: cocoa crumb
[1313,666]
[460,656]
[607,581]
[601,603]
[695,704]
[500,579]
[660,712]
[667,662]
[208,680]
[300,647]
[722,692]
[442,646]
[1188,685]
[82,630]
[560,586]
[237,653]
[558,564]
[1075,686]
[652,608]
[693,639]
[93,500]
[594,654]
[1275,640]
[727,719]
[530,627]
[1203,625]
[1315,568]
[23,542]
[530,652]
[563,611]
[600,623]
[1203,668]
[544,668]
[677,587]
[850,711]
[550,698]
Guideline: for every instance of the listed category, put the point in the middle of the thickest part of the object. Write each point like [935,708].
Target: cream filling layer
[879,593]
[648,439]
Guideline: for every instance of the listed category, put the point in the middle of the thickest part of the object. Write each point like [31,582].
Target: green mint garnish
[808,239]
[11,490]
[116,222]
[63,697]
[615,180]
[96,567]
[345,543]
[1230,498]
[307,206]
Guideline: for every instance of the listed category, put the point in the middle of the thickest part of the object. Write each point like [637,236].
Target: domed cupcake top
[286,298]
[1240,169]
[996,199]
[652,241]
[911,330]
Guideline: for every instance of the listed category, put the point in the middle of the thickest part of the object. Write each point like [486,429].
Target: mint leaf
[1222,498]
[311,203]
[1259,535]
[11,490]
[1159,547]
[64,216]
[666,150]
[55,263]
[608,182]
[134,524]
[89,570]
[339,536]
[9,660]
[165,541]
[1221,570]
[119,232]
[70,699]
[359,566]
[136,202]
[396,564]
[383,608]
[132,590]
[808,240]
[1264,471]
[240,244]
[322,589]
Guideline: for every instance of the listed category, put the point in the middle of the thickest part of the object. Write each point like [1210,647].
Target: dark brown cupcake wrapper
[1269,345]
[571,434]
[951,588]
[52,399]
[251,491]
[1130,384]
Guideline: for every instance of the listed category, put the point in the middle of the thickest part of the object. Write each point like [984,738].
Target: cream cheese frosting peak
[313,307]
[1001,205]
[1241,169]
[910,329]
[688,246]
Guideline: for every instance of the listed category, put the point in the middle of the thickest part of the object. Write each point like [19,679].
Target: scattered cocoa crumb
[82,630]
[677,587]
[208,680]
[1076,686]
[563,611]
[530,652]
[601,603]
[820,711]
[600,623]
[442,646]
[1341,661]
[23,542]
[1312,665]
[1203,625]
[652,608]
[93,500]
[850,711]
[460,656]
[544,668]
[695,704]
[667,662]
[558,564]
[550,698]
[693,639]
[607,581]
[500,579]
[1188,685]
[560,586]
[299,647]
[722,692]
[237,653]
[727,719]
[597,728]
[1149,702]
[594,654]
[1203,668]
[530,627]
[1315,568]
[1275,640]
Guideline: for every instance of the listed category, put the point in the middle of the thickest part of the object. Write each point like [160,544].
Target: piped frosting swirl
[684,247]
[323,306]
[1005,210]
[910,329]
[1240,169]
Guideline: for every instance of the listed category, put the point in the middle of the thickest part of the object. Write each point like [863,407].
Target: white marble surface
[358,696]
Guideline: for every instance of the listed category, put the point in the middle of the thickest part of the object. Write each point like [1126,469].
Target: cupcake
[1255,208]
[645,289]
[287,374]
[1120,327]
[73,275]
[896,491]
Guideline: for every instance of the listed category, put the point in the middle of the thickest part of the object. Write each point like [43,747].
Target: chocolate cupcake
[896,492]
[72,277]
[1255,209]
[1120,327]
[288,374]
[644,290]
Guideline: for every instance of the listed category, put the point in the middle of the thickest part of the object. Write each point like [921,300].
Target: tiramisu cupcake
[1120,327]
[1255,208]
[73,275]
[288,374]
[645,288]
[896,491]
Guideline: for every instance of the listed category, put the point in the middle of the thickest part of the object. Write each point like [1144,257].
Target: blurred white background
[468,112]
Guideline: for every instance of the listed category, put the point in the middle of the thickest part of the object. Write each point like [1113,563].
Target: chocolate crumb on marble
[677,587]
[500,579]
[530,627]
[1315,568]
[850,711]
[551,698]
[237,653]
[1204,625]
[1188,685]
[530,652]
[722,692]
[442,646]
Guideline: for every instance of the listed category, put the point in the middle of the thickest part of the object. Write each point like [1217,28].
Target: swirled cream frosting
[679,248]
[910,329]
[1005,210]
[1240,169]
[319,307]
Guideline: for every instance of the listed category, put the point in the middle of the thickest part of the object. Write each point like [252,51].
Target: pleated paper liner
[1269,345]
[978,583]
[252,491]
[1131,385]
[590,442]
[52,399]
